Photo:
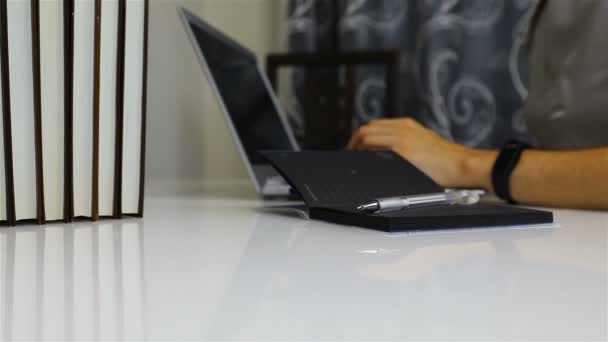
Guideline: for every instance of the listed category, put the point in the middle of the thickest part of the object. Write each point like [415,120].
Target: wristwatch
[507,160]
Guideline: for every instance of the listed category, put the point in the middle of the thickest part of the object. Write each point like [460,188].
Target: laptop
[248,102]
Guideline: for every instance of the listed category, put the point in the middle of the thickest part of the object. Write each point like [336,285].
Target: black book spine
[96,80]
[120,84]
[68,41]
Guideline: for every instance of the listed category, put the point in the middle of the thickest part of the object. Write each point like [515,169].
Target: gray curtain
[463,62]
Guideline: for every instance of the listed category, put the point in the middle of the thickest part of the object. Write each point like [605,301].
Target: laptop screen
[245,95]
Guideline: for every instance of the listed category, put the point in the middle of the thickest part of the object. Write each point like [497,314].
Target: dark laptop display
[244,93]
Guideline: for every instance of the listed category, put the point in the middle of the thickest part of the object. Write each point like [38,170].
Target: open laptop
[249,104]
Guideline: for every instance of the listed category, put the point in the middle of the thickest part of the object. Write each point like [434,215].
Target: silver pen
[382,205]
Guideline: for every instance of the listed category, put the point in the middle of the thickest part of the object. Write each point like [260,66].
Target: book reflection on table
[82,281]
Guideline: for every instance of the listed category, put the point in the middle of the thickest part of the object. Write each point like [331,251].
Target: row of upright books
[73,103]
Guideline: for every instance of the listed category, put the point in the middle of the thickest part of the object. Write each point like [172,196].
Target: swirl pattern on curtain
[463,64]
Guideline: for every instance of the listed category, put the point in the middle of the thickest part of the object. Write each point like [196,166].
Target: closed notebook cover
[334,183]
[340,179]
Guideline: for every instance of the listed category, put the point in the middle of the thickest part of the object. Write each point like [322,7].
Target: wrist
[476,168]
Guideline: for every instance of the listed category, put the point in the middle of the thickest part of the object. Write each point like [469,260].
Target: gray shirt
[567,106]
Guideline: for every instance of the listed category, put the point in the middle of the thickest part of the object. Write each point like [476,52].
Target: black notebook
[334,183]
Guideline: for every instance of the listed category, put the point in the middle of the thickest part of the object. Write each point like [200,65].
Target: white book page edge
[107,105]
[22,108]
[134,54]
[52,97]
[84,45]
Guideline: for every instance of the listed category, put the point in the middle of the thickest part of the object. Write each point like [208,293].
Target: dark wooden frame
[389,59]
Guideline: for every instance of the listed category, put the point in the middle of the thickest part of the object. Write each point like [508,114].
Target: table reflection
[75,282]
[323,282]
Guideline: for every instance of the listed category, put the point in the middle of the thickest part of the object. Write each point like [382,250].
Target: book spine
[96,84]
[6,112]
[35,14]
[144,107]
[68,27]
[120,82]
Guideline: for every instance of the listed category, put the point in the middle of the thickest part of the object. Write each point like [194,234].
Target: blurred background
[458,66]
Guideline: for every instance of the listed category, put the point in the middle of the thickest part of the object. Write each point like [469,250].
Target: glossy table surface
[224,269]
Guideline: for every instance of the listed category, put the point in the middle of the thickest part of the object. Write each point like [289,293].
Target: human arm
[573,179]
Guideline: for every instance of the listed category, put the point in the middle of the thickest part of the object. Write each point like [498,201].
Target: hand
[449,164]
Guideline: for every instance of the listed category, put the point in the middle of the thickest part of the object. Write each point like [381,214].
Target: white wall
[189,142]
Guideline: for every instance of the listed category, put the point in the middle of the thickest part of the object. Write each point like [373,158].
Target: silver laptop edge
[188,17]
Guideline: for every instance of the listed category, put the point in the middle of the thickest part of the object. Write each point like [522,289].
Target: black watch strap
[507,160]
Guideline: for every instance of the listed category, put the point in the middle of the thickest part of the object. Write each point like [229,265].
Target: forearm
[574,179]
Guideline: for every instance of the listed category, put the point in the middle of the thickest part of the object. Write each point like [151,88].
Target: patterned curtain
[463,62]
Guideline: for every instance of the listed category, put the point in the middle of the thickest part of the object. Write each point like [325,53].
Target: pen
[467,197]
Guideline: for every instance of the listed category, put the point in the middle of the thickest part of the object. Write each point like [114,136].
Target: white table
[217,269]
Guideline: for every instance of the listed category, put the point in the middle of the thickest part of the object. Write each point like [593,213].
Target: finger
[354,140]
[384,122]
[395,122]
[376,142]
[367,130]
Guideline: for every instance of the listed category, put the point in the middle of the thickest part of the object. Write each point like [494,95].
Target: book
[7,162]
[107,105]
[120,101]
[134,107]
[37,98]
[72,89]
[3,192]
[22,121]
[83,92]
[334,183]
[96,99]
[52,106]
[68,119]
